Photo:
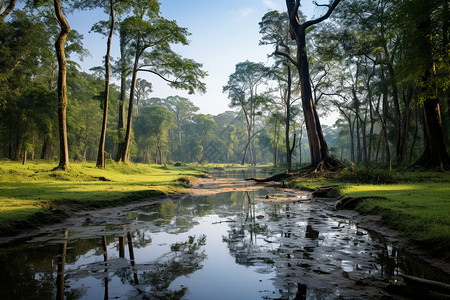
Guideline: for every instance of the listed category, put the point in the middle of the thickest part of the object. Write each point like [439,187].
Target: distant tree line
[383,65]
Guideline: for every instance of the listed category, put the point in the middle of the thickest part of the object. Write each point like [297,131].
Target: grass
[417,204]
[30,193]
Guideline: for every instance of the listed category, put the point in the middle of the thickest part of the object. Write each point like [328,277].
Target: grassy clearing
[29,193]
[417,204]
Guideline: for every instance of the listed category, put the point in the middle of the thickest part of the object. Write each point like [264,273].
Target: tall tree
[242,89]
[274,27]
[62,86]
[425,20]
[152,126]
[149,31]
[182,109]
[320,156]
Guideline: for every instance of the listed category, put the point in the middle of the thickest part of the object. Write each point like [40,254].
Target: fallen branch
[277,177]
[429,284]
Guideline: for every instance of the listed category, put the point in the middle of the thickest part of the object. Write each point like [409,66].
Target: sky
[223,33]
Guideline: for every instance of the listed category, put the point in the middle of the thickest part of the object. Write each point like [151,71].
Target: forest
[382,65]
[346,122]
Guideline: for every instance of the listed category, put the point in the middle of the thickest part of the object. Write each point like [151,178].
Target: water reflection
[229,245]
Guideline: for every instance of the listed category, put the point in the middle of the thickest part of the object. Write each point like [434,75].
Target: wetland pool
[230,245]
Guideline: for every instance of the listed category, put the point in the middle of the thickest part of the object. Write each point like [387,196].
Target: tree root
[277,177]
[350,202]
[327,164]
[323,190]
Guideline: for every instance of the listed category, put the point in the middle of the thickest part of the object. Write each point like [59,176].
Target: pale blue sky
[224,33]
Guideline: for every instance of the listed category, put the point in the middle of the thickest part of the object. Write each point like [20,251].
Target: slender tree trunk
[18,148]
[416,131]
[25,153]
[383,120]
[289,149]
[275,145]
[123,93]
[62,88]
[124,157]
[101,147]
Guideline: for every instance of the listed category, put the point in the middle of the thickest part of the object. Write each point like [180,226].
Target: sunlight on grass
[32,188]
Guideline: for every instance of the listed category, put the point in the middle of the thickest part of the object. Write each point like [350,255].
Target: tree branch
[286,55]
[324,17]
[156,73]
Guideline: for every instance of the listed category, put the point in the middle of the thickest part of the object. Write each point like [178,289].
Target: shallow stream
[231,245]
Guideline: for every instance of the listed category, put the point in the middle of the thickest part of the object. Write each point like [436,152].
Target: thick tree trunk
[101,147]
[62,89]
[320,157]
[435,150]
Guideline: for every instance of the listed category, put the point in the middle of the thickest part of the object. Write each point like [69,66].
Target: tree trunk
[435,152]
[247,146]
[289,149]
[275,145]
[123,93]
[101,147]
[123,155]
[18,148]
[24,161]
[62,89]
[320,157]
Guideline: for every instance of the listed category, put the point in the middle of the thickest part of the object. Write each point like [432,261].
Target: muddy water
[231,245]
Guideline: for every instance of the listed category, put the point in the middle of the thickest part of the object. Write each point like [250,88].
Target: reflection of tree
[185,258]
[242,237]
[31,273]
[273,241]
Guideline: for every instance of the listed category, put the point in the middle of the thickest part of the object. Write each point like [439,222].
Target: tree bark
[62,88]
[101,147]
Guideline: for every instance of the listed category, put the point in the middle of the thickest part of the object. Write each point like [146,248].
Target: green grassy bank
[417,204]
[30,193]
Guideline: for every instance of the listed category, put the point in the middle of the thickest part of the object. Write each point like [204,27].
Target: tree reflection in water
[269,245]
[153,280]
